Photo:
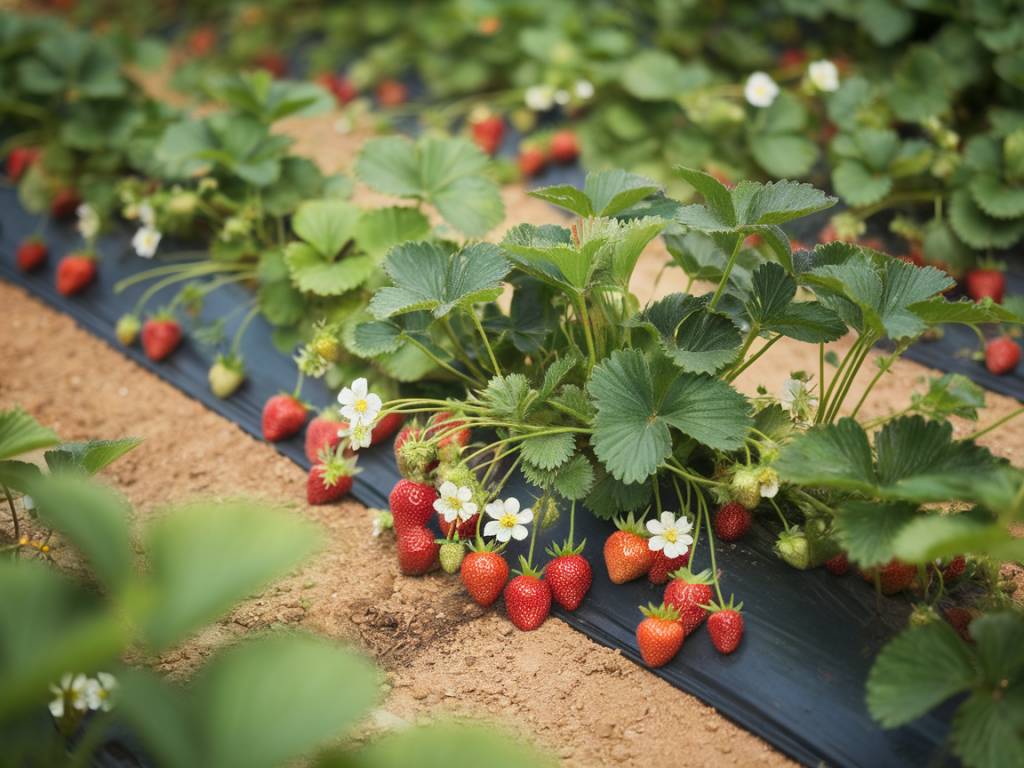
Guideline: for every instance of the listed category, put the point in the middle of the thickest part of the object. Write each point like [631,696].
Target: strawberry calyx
[630,524]
[724,605]
[526,568]
[232,361]
[336,466]
[162,315]
[663,612]
[566,549]
[685,574]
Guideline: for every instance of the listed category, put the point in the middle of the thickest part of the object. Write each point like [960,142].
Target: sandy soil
[587,704]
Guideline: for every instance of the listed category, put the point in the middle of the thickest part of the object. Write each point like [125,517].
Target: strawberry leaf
[696,340]
[20,433]
[548,451]
[772,309]
[867,529]
[614,191]
[636,411]
[428,277]
[325,225]
[90,456]
[918,670]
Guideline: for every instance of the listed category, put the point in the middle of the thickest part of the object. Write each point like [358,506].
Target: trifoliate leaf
[548,451]
[918,670]
[555,373]
[20,433]
[446,173]
[509,397]
[916,91]
[609,497]
[777,202]
[427,277]
[952,394]
[866,529]
[635,411]
[550,254]
[987,729]
[717,197]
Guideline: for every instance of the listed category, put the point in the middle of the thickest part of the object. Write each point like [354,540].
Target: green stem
[823,404]
[14,514]
[995,424]
[851,375]
[909,196]
[754,357]
[572,524]
[460,351]
[454,371]
[725,274]
[681,471]
[487,344]
[581,307]
[821,370]
[711,546]
[884,365]
[236,342]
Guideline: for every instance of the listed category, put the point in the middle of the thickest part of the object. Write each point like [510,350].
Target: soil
[442,654]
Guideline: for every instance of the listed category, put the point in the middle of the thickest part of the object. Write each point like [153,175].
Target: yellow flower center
[670,535]
[360,406]
[508,520]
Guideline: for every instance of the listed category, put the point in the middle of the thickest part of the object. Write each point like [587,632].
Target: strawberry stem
[711,546]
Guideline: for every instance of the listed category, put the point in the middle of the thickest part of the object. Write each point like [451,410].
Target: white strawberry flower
[88,221]
[72,690]
[455,502]
[99,692]
[768,483]
[670,535]
[146,241]
[358,435]
[798,399]
[507,520]
[562,97]
[584,89]
[358,404]
[824,75]
[539,98]
[760,90]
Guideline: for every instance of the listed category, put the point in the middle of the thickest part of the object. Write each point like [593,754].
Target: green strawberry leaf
[657,75]
[565,196]
[20,433]
[997,198]
[90,456]
[859,186]
[951,394]
[866,529]
[428,277]
[918,670]
[696,340]
[636,409]
[929,537]
[978,229]
[614,191]
[326,225]
[548,451]
[380,229]
[772,309]
[313,273]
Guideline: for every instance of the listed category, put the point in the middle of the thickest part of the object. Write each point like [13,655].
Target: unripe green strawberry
[226,375]
[127,329]
[451,555]
[793,548]
[746,487]
[183,204]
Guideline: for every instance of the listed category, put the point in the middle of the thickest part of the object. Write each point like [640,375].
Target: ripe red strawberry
[201,41]
[322,433]
[31,254]
[283,416]
[893,577]
[982,283]
[385,427]
[161,335]
[272,62]
[531,161]
[663,566]
[391,93]
[19,160]
[329,481]
[954,569]
[732,521]
[74,273]
[960,619]
[838,565]
[417,551]
[343,89]
[660,635]
[568,575]
[688,593]
[64,203]
[564,147]
[488,132]
[1002,355]
[527,599]
[412,504]
[484,573]
[725,625]
[626,554]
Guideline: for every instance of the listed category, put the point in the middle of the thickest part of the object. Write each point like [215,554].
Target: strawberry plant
[625,408]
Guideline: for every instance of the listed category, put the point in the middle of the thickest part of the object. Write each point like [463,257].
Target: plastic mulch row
[797,680]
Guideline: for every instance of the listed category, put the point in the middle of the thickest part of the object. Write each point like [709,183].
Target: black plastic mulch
[797,680]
